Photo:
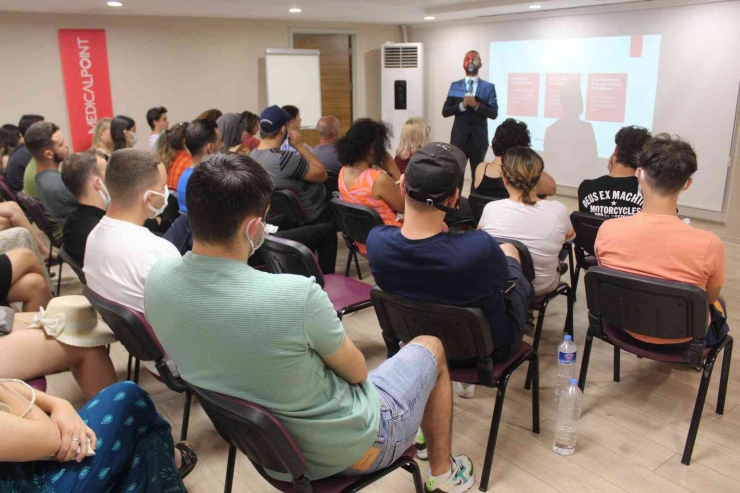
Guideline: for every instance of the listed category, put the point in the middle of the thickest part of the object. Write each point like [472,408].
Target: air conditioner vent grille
[401,57]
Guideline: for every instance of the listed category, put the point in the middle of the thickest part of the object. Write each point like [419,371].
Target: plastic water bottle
[566,364]
[569,410]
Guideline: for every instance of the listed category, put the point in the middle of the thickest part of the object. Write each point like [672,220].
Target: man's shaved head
[328,127]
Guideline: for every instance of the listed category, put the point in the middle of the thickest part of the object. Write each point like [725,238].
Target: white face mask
[164,195]
[132,137]
[104,194]
[262,238]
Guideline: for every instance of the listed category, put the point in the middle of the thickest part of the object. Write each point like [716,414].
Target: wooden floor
[631,433]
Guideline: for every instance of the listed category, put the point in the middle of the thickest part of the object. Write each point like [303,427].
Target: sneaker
[461,479]
[421,447]
[465,390]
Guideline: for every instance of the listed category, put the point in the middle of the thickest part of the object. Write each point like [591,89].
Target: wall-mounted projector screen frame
[294,77]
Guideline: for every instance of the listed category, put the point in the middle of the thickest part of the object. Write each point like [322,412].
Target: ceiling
[374,11]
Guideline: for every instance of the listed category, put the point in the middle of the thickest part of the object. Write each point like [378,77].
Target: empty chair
[466,337]
[619,301]
[586,227]
[134,332]
[356,221]
[268,445]
[38,215]
[284,256]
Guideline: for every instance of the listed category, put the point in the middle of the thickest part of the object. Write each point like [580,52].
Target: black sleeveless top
[492,187]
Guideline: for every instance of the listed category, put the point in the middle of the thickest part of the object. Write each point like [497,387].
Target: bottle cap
[573,381]
[567,337]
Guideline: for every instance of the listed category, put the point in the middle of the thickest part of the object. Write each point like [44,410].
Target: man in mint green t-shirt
[276,341]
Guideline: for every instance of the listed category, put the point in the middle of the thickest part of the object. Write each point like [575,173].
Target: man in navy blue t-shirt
[418,261]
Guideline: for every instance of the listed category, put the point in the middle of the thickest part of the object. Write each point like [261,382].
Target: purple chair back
[38,215]
[256,432]
[647,306]
[6,193]
[284,256]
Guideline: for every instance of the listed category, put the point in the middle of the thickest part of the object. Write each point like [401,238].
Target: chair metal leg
[136,371]
[584,363]
[230,469]
[357,266]
[413,468]
[186,415]
[130,365]
[701,397]
[349,264]
[59,281]
[616,364]
[536,342]
[572,269]
[535,362]
[576,279]
[726,359]
[493,434]
[568,329]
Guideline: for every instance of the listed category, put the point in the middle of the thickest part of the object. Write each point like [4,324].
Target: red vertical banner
[86,82]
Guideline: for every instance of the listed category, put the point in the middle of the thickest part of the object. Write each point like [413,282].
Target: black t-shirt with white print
[608,196]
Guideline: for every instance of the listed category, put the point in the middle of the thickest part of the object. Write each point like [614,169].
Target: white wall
[185,64]
[695,66]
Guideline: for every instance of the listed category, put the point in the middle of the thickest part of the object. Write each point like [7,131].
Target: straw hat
[73,321]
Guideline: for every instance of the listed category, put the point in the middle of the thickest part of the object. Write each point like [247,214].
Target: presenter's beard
[472,69]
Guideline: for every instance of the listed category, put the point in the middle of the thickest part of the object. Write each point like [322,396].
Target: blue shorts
[404,383]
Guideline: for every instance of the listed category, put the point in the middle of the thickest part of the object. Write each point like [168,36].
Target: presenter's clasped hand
[470,102]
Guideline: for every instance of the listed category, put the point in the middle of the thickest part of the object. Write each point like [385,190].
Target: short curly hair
[510,133]
[668,163]
[363,136]
[630,141]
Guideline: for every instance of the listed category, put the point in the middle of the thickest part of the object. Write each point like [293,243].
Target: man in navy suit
[473,101]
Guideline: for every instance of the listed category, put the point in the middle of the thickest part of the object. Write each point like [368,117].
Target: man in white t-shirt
[120,251]
[542,225]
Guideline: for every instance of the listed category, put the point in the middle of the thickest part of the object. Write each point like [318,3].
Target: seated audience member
[326,398]
[102,141]
[360,182]
[158,122]
[299,171]
[616,194]
[294,124]
[542,225]
[488,181]
[84,176]
[48,446]
[19,159]
[10,139]
[49,148]
[212,115]
[123,132]
[202,138]
[420,262]
[328,130]
[12,216]
[414,136]
[173,153]
[233,128]
[120,251]
[656,243]
[253,127]
[65,335]
[23,280]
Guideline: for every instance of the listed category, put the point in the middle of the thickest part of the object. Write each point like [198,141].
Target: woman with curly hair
[369,174]
[542,225]
[487,180]
[173,153]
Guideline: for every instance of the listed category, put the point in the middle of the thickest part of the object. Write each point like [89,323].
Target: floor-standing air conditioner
[402,85]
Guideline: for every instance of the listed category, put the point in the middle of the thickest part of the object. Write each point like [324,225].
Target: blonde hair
[414,136]
[102,126]
[522,168]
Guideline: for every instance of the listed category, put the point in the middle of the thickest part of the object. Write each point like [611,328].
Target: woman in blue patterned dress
[117,442]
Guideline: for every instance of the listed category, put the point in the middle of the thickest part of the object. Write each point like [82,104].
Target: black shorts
[6,277]
[517,298]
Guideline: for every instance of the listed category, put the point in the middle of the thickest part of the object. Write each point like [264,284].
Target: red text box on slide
[553,85]
[524,95]
[606,98]
[84,55]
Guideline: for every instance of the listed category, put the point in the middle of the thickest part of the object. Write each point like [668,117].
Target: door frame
[354,52]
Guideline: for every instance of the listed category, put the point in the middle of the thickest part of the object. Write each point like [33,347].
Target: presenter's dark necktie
[470,86]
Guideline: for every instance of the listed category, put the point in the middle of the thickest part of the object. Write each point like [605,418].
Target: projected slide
[574,94]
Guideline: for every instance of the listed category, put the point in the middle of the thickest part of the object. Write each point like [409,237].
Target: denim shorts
[404,383]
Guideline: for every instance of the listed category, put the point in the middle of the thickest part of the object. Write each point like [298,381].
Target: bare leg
[10,211]
[437,421]
[29,284]
[31,353]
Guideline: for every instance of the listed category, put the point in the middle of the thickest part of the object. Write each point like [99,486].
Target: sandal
[188,458]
